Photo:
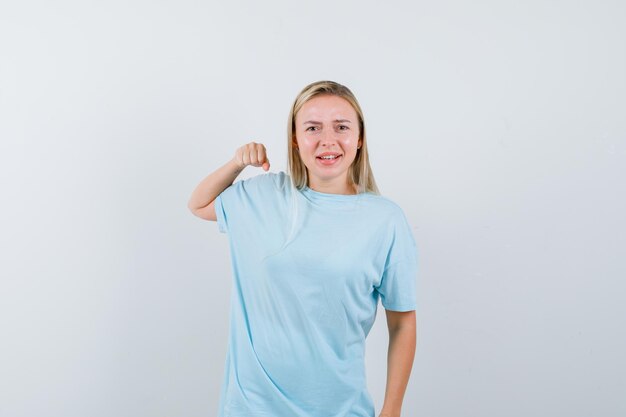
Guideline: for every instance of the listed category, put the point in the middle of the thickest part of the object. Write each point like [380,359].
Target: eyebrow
[313,122]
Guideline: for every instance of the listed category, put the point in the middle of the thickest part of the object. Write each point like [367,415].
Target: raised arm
[201,201]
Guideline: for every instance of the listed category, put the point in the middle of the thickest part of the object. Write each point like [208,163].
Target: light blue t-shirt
[299,317]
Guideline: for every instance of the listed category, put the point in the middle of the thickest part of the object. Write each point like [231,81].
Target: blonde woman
[312,251]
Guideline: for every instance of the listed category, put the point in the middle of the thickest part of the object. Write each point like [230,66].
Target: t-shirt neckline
[328,196]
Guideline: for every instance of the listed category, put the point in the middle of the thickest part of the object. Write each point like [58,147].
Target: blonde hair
[359,173]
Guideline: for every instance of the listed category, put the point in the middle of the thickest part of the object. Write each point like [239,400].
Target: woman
[312,250]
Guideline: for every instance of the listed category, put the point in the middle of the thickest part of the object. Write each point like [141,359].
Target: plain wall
[497,126]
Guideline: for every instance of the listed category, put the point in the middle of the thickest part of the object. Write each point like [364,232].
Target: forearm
[212,186]
[400,357]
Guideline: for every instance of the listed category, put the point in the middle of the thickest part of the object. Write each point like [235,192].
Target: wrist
[237,167]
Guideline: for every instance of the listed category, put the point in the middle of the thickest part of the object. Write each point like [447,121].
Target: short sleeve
[398,285]
[219,213]
[239,199]
[231,201]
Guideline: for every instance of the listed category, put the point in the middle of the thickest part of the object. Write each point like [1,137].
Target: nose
[328,136]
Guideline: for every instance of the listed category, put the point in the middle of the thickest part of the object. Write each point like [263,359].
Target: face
[327,124]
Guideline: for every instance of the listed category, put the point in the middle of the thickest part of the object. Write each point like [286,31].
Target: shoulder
[269,179]
[265,179]
[387,208]
[400,240]
[261,186]
[279,178]
[392,220]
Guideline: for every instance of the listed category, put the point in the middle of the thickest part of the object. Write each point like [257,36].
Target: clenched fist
[252,154]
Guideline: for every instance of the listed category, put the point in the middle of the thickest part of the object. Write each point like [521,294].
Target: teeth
[328,157]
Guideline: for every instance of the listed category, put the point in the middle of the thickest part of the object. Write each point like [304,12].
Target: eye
[310,127]
[342,126]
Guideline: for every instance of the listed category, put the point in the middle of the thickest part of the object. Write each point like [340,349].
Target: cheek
[308,143]
[350,142]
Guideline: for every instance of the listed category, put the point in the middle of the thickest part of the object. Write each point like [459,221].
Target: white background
[498,126]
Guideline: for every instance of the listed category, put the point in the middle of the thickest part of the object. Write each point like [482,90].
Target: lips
[328,154]
[329,161]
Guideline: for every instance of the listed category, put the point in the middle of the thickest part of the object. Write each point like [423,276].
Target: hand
[252,154]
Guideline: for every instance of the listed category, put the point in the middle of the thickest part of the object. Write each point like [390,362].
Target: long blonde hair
[359,173]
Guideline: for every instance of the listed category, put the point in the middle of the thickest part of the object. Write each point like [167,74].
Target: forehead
[326,107]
